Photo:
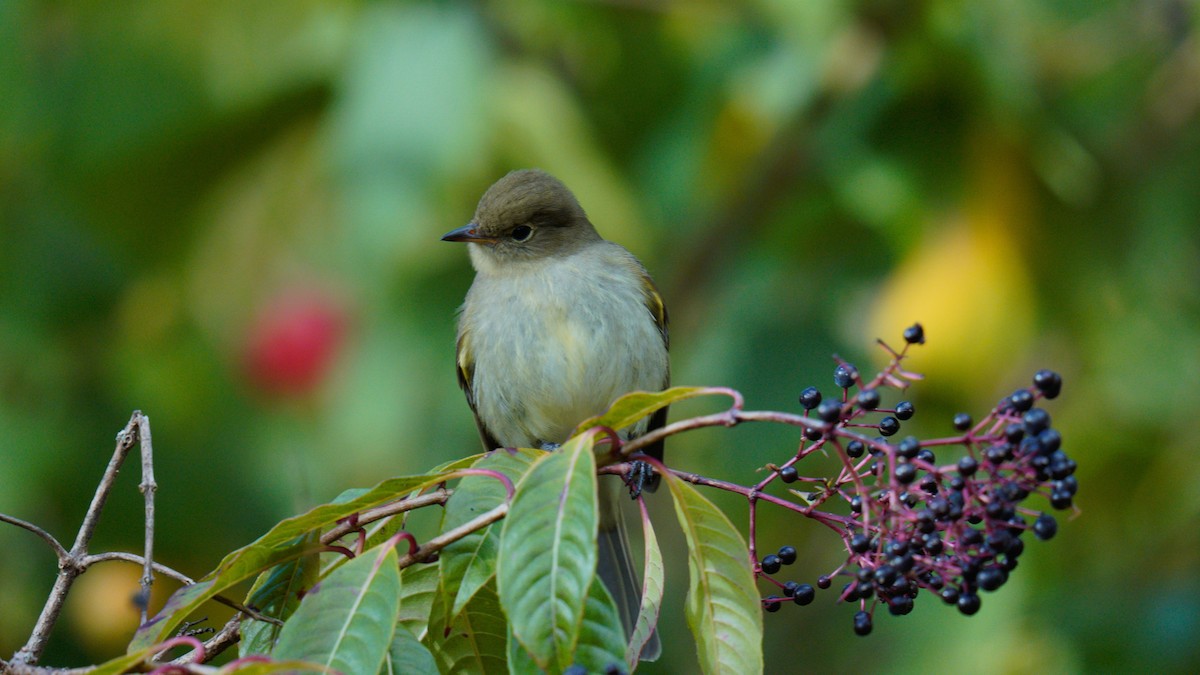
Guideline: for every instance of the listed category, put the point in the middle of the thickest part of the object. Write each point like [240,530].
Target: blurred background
[227,215]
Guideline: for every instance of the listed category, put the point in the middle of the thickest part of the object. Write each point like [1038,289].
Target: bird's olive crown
[529,213]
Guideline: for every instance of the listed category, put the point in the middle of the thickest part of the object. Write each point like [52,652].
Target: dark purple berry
[823,582]
[971,537]
[915,335]
[1021,400]
[968,603]
[900,605]
[855,449]
[1069,484]
[829,411]
[949,595]
[1036,421]
[810,398]
[1045,527]
[926,522]
[908,447]
[771,563]
[804,594]
[962,421]
[1013,433]
[1060,499]
[789,588]
[813,434]
[772,603]
[885,575]
[967,466]
[1050,439]
[906,473]
[934,544]
[997,454]
[929,484]
[1030,446]
[862,623]
[991,578]
[889,425]
[788,474]
[905,410]
[1048,382]
[860,543]
[845,375]
[868,399]
[787,554]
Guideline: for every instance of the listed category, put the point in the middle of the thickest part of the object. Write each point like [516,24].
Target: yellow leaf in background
[968,284]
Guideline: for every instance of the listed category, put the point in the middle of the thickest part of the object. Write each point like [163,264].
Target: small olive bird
[558,323]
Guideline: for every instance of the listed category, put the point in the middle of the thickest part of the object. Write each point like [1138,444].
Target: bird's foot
[641,477]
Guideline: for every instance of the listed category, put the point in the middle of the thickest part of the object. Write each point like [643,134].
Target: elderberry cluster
[917,522]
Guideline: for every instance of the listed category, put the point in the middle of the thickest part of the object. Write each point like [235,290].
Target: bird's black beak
[468,233]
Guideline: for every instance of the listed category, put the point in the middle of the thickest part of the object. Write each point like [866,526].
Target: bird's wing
[465,362]
[658,311]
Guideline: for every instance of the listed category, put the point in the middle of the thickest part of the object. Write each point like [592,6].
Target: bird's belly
[560,369]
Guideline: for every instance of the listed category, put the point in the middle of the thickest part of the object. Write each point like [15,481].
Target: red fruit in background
[293,342]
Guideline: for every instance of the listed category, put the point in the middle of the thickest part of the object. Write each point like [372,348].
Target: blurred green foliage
[800,177]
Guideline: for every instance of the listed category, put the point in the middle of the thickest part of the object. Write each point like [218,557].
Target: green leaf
[267,667]
[276,593]
[633,406]
[273,548]
[418,590]
[347,621]
[407,655]
[474,641]
[123,663]
[548,552]
[652,594]
[602,639]
[723,608]
[601,642]
[470,562]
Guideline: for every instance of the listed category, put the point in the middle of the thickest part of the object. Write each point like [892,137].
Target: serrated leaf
[470,562]
[723,607]
[652,594]
[273,548]
[602,639]
[474,641]
[407,655]
[276,593]
[633,406]
[418,590]
[547,557]
[347,621]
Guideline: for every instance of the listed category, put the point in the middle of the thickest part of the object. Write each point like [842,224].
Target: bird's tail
[615,566]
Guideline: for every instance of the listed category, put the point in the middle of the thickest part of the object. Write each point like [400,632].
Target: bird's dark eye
[521,232]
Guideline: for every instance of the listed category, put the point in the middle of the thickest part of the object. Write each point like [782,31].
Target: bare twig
[59,552]
[446,538]
[72,566]
[380,512]
[147,488]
